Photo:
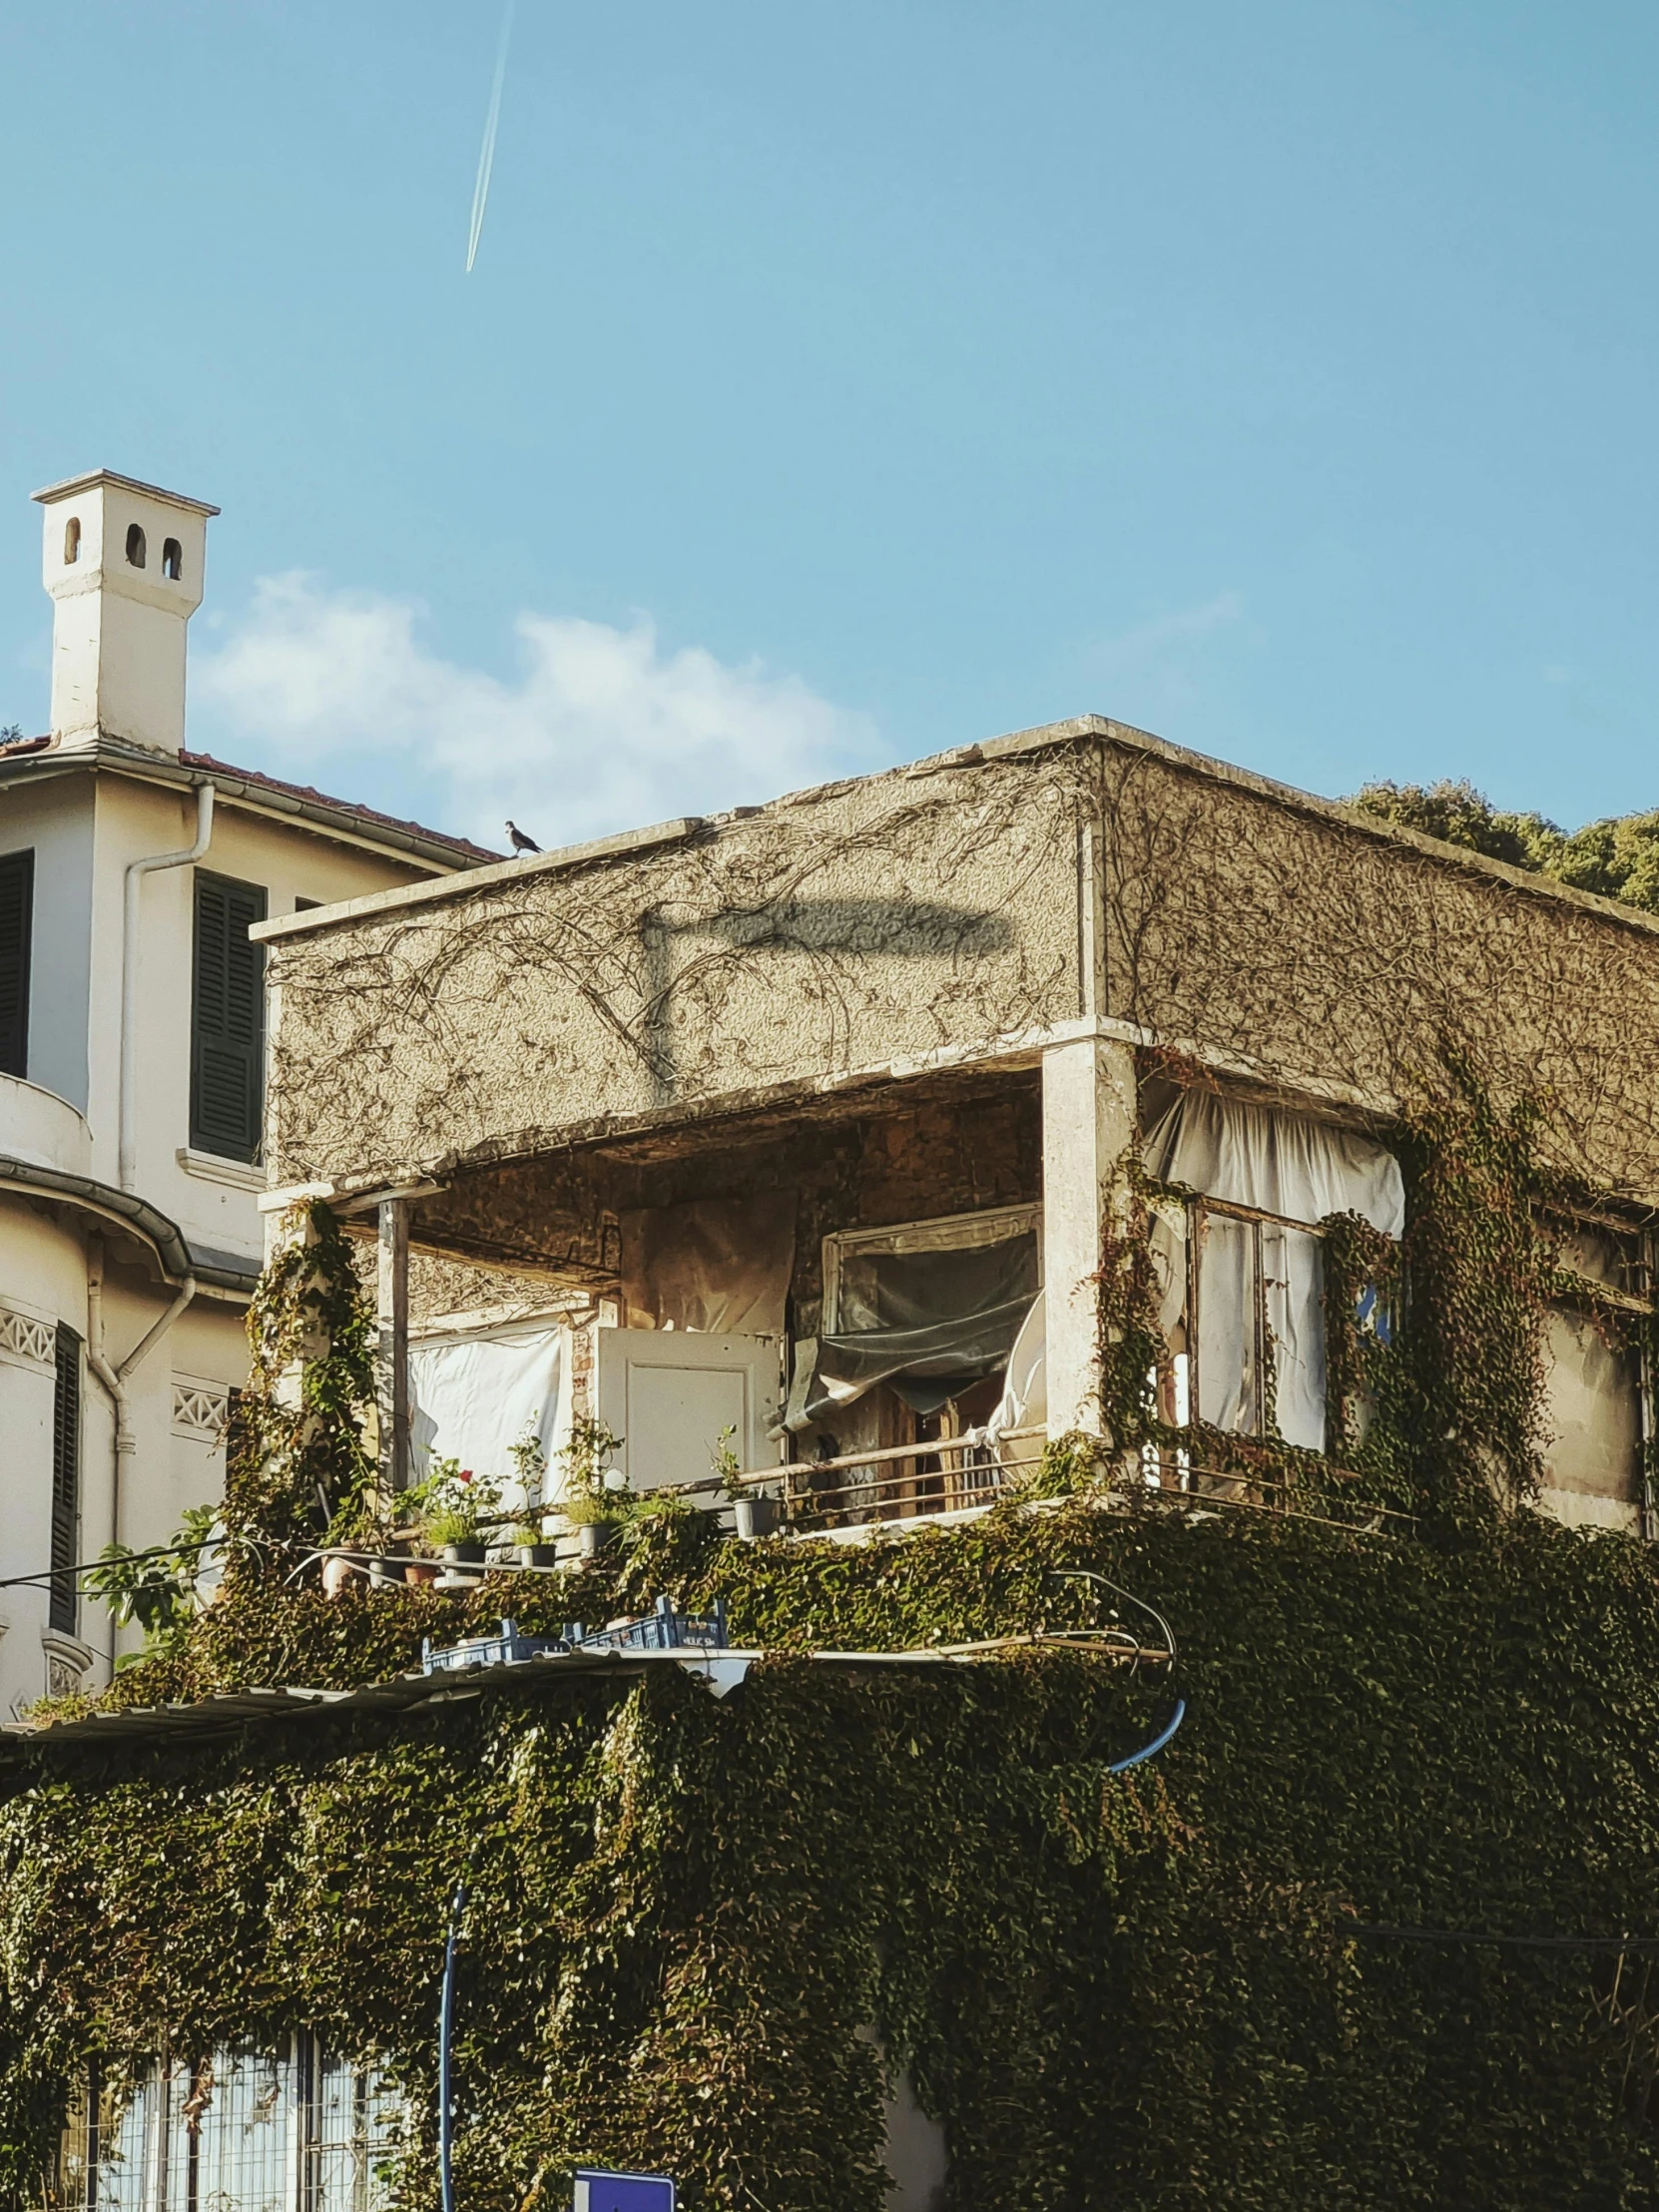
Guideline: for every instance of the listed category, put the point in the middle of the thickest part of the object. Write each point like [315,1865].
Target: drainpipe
[135,871]
[115,1379]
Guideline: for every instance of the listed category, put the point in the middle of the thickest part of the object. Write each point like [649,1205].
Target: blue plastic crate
[662,1630]
[607,2192]
[487,1651]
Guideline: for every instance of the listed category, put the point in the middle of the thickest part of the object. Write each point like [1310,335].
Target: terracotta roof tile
[462,848]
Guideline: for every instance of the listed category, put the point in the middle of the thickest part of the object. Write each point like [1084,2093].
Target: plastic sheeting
[720,1265]
[938,1315]
[1025,1400]
[475,1396]
[1281,1164]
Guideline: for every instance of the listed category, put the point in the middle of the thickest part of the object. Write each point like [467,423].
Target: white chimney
[123,562]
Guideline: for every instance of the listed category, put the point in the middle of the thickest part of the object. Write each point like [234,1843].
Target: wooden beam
[393,1303]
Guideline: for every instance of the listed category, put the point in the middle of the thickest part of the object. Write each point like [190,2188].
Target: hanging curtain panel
[930,1308]
[1593,1407]
[475,1396]
[1259,1280]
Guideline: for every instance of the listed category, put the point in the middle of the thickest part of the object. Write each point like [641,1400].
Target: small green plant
[529,1458]
[157,1588]
[527,1533]
[723,1461]
[594,1491]
[452,1504]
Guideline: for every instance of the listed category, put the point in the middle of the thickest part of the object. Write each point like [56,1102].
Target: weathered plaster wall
[884,919]
[938,910]
[1317,952]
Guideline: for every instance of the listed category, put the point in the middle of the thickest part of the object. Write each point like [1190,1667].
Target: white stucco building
[131,1030]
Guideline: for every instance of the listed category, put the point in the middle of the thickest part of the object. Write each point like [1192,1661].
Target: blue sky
[839,382]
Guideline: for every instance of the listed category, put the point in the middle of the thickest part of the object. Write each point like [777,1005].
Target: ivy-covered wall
[1129,1993]
[1161,1989]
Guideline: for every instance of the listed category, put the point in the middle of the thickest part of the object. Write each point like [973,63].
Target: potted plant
[533,1549]
[529,1457]
[595,1498]
[452,1505]
[753,1514]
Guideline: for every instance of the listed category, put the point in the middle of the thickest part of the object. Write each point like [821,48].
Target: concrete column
[392,1302]
[1089,1121]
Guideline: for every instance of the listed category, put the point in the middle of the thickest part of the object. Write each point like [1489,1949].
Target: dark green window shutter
[227,1069]
[66,1480]
[17,901]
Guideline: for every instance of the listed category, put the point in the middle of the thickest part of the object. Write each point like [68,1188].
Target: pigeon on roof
[521,844]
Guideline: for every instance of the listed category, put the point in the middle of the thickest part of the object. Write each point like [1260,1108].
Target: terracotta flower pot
[422,1570]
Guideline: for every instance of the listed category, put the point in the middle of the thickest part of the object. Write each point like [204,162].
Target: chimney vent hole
[172,560]
[135,545]
[71,541]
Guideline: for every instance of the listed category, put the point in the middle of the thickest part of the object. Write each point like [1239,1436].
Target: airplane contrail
[486,153]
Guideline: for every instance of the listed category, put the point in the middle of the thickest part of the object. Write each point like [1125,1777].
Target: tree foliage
[1617,857]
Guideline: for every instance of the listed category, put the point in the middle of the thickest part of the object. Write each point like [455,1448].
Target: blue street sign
[604,2192]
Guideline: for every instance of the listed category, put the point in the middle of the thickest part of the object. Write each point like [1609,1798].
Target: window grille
[64,1610]
[304,2130]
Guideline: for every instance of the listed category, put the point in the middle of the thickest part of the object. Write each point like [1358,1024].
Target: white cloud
[601,730]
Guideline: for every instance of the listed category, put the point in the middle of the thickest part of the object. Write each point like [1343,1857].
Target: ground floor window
[239,2130]
[1598,1411]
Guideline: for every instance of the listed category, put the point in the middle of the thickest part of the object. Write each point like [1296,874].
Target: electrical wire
[1380,1933]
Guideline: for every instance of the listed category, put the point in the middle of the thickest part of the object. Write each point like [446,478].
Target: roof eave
[342,822]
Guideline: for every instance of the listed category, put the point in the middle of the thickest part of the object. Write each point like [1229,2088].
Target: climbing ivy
[300,1465]
[691,1918]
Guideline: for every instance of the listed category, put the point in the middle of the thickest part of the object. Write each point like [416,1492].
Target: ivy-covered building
[1065,1158]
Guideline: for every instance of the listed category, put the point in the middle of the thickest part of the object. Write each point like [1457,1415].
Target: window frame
[940,1233]
[1644,1304]
[1193,1206]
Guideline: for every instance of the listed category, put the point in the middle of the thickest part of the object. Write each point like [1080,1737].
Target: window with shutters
[66,1480]
[17,901]
[226,1076]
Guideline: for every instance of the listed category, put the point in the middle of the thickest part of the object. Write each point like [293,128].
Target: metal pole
[446,2033]
[393,1317]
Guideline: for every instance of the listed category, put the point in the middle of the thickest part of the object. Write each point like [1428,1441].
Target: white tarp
[1025,1400]
[474,1396]
[1282,1164]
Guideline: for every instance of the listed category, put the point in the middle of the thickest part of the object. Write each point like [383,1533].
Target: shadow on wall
[815,928]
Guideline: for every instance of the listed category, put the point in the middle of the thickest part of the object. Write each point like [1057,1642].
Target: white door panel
[670,1394]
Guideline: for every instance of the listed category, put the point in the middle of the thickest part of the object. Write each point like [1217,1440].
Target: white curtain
[1282,1164]
[1593,1405]
[474,1396]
